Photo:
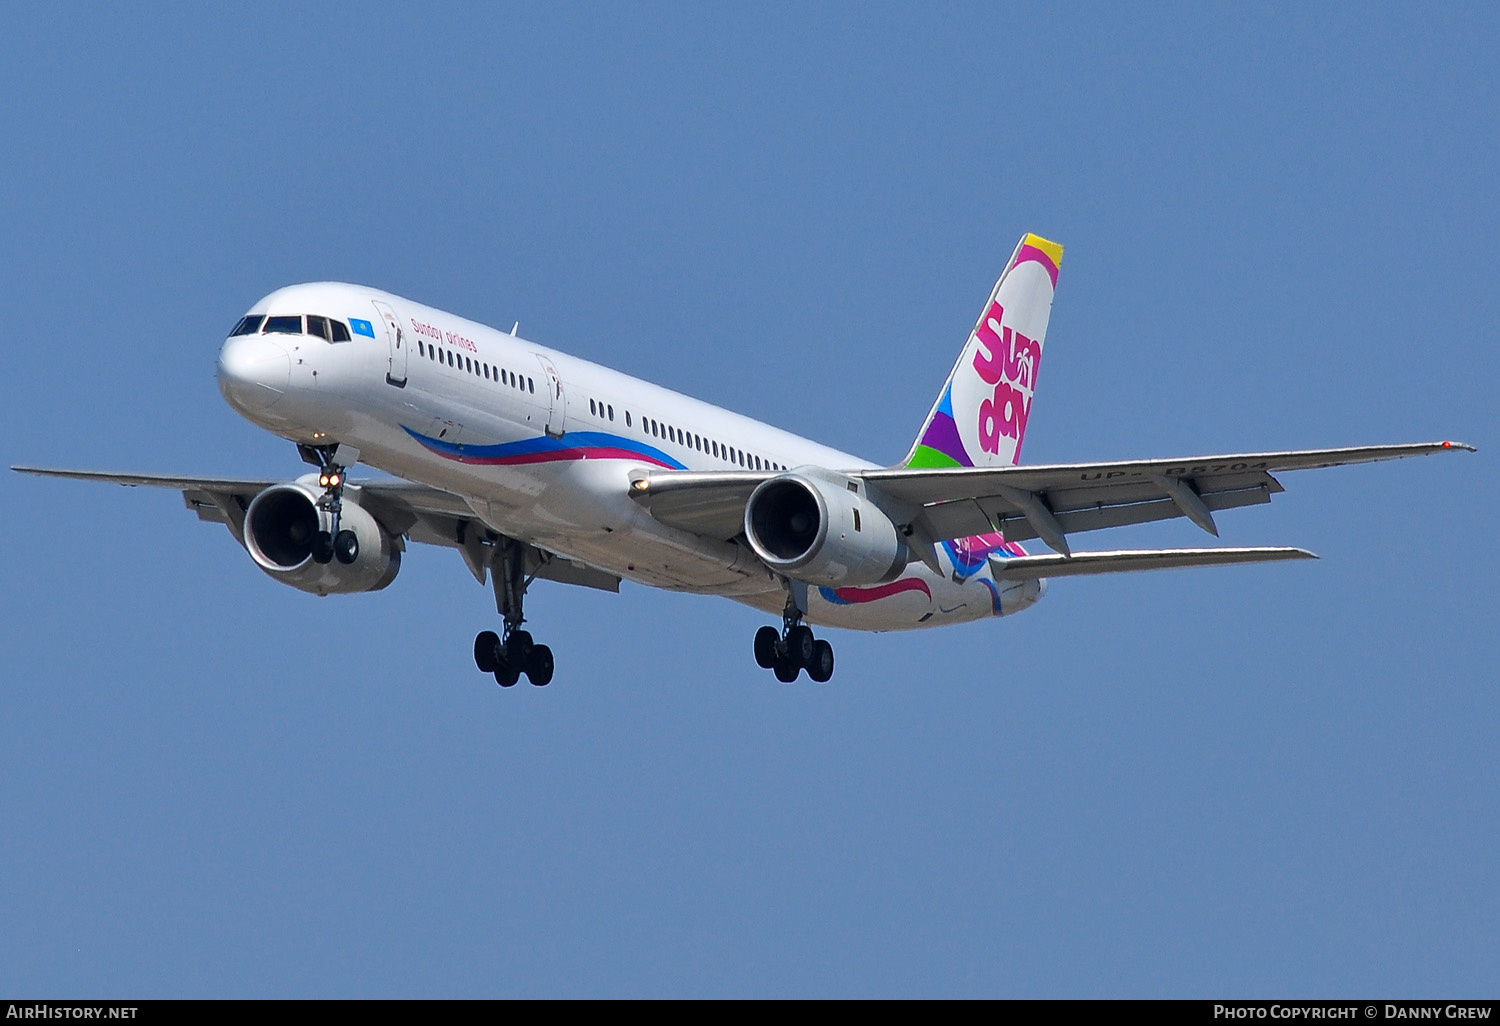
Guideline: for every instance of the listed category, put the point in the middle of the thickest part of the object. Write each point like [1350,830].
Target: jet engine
[283,522]
[823,529]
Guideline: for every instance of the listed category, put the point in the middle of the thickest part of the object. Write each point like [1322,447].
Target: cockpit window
[284,325]
[317,326]
[248,325]
[340,331]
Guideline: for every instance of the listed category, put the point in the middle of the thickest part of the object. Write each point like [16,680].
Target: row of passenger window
[326,328]
[498,375]
[687,439]
[604,411]
[710,446]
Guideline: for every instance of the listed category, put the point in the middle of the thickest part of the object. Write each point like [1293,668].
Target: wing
[1025,502]
[417,512]
[1052,502]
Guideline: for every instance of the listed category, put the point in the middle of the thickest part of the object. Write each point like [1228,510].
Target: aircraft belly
[916,599]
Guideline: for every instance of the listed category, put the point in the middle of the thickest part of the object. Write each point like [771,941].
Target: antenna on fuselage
[514,328]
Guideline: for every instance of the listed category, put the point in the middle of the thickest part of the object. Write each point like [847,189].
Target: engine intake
[282,523]
[822,528]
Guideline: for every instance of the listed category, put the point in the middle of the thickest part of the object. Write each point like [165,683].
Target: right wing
[1052,502]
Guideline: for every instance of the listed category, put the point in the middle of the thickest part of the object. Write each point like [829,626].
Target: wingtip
[1466,447]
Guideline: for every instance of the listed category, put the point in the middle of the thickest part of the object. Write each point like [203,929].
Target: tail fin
[980,417]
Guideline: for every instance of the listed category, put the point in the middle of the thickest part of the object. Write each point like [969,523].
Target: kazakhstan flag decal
[361,327]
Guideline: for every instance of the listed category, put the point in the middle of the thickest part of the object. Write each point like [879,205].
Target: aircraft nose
[253,372]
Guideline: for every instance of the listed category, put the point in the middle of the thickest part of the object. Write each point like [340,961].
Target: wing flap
[979,516]
[1022,568]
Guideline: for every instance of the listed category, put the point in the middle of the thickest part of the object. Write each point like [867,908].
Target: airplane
[537,465]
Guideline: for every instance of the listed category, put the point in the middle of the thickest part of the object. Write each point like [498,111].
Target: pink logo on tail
[1009,361]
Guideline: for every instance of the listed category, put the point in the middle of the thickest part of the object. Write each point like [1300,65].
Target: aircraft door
[557,407]
[396,374]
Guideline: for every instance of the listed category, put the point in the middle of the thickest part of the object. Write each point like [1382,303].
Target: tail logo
[1009,361]
[981,415]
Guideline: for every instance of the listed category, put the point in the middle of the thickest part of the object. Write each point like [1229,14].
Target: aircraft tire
[539,666]
[821,669]
[346,547]
[518,648]
[786,671]
[765,647]
[485,645]
[322,548]
[505,676]
[800,645]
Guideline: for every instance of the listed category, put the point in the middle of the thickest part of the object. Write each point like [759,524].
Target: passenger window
[757,463]
[317,326]
[451,362]
[421,351]
[531,386]
[468,366]
[248,325]
[627,418]
[340,331]
[284,325]
[611,409]
[591,408]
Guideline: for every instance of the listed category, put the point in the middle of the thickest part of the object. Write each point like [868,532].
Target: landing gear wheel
[766,640]
[800,645]
[786,670]
[820,668]
[518,648]
[506,676]
[322,548]
[485,646]
[346,547]
[539,666]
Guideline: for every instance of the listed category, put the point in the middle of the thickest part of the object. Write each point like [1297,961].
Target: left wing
[417,512]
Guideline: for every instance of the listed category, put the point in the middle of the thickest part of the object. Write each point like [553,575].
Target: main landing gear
[794,649]
[333,543]
[515,653]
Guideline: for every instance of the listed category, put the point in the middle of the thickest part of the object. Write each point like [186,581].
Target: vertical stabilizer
[980,417]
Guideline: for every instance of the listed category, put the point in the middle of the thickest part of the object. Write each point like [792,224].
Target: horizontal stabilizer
[1022,568]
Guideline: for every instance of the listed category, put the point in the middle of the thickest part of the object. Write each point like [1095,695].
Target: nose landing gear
[331,460]
[794,649]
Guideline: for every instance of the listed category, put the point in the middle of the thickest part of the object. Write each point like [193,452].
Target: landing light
[330,480]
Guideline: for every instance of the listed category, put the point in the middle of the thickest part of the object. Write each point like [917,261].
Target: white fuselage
[541,445]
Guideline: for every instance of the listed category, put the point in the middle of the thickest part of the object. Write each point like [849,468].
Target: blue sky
[1280,226]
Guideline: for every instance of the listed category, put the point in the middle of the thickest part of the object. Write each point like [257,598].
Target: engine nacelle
[283,521]
[822,528]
